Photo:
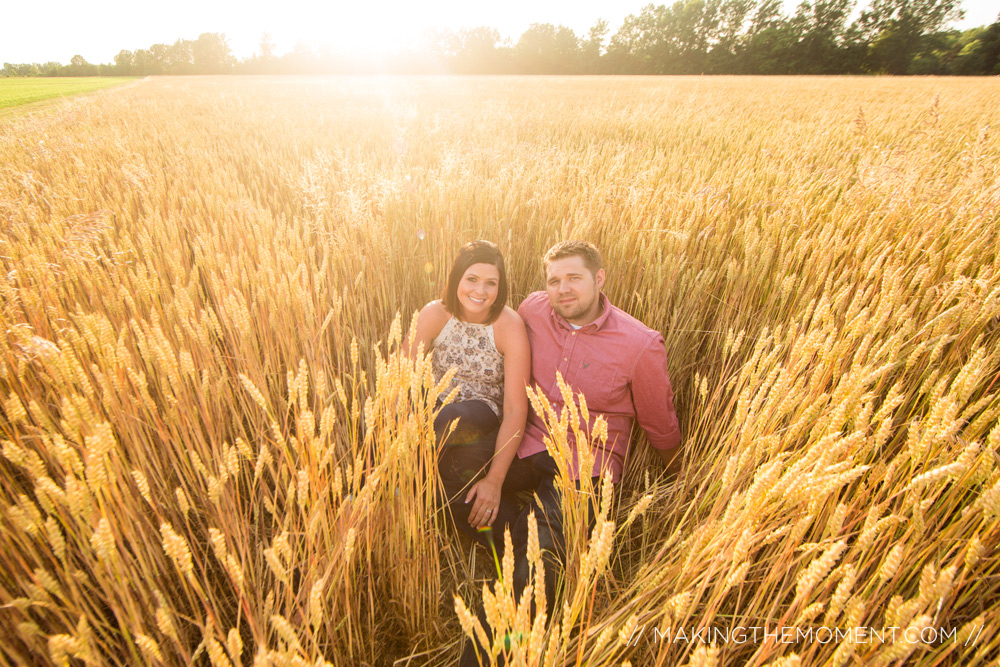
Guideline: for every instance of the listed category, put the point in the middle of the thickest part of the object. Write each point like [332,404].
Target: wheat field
[212,452]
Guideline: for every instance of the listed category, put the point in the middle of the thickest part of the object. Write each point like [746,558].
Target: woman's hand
[485,496]
[512,342]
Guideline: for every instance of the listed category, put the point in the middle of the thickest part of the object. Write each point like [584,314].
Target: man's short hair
[587,251]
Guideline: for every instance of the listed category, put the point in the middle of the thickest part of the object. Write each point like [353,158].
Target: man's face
[574,291]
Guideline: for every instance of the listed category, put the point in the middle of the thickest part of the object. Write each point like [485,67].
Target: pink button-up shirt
[618,363]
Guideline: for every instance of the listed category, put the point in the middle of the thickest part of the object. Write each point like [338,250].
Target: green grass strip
[16,91]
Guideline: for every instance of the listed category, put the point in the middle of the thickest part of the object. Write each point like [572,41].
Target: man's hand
[485,496]
[672,459]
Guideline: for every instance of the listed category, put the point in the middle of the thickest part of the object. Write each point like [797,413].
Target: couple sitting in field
[497,445]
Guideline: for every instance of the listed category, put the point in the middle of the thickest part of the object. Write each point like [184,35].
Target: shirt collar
[596,325]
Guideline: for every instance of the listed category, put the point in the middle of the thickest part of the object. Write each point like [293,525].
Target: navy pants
[465,454]
[464,459]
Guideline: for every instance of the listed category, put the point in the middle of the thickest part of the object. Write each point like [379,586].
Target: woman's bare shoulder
[509,323]
[435,312]
[431,321]
[509,317]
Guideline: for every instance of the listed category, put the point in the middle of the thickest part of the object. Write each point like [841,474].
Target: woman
[472,330]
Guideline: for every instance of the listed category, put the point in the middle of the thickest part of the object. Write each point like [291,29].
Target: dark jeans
[463,461]
[465,455]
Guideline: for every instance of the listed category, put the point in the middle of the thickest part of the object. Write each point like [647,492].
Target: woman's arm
[430,322]
[512,342]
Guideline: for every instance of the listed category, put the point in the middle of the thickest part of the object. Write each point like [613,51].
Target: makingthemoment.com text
[799,635]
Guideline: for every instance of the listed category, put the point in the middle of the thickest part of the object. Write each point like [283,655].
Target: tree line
[686,37]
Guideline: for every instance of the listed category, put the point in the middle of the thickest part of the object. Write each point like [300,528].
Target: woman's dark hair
[475,252]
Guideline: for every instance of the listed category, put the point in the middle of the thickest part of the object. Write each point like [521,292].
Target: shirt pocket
[602,387]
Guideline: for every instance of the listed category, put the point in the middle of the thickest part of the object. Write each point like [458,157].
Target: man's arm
[653,399]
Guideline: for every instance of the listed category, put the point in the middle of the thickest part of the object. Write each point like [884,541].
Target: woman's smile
[477,292]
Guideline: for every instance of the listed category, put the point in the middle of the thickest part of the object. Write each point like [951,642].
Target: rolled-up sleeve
[653,397]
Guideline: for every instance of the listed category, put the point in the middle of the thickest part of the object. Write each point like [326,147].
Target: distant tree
[936,54]
[897,30]
[266,46]
[21,69]
[592,48]
[726,54]
[264,61]
[479,51]
[211,54]
[443,47]
[124,63]
[627,52]
[547,49]
[78,66]
[145,63]
[988,49]
[159,59]
[695,27]
[180,58]
[300,60]
[671,39]
[973,52]
[53,68]
[685,37]
[824,28]
[770,42]
[963,54]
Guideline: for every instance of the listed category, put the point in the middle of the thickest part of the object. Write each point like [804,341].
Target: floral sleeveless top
[471,350]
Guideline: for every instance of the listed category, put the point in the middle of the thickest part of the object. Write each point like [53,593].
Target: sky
[99,29]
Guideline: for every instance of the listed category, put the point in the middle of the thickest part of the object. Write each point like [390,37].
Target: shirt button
[565,358]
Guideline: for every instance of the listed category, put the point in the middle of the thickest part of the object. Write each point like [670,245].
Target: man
[618,363]
[620,366]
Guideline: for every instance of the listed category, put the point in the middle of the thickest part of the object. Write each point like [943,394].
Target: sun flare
[360,30]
